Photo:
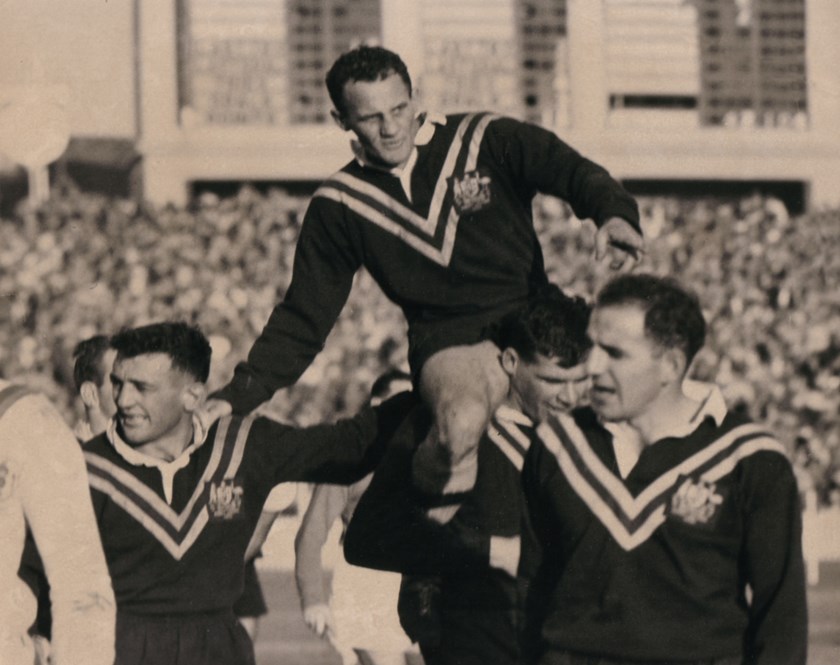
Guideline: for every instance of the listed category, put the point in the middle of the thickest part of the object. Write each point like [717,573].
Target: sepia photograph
[405,332]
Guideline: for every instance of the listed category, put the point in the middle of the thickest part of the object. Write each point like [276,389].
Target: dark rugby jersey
[480,607]
[456,255]
[655,566]
[186,556]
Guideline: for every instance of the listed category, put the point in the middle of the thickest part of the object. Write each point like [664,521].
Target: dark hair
[364,63]
[383,385]
[186,345]
[673,317]
[552,324]
[87,360]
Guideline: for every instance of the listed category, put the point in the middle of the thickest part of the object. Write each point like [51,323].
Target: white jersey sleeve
[54,496]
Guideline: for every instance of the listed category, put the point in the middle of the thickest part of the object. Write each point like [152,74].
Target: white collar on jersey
[627,442]
[167,469]
[428,120]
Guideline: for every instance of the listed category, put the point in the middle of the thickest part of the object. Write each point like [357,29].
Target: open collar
[627,442]
[167,468]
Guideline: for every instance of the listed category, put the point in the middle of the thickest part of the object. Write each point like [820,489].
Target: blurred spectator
[93,361]
[768,282]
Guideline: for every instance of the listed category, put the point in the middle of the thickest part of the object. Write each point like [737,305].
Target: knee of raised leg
[460,425]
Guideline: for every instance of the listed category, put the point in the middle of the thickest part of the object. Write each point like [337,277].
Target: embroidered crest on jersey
[7,481]
[176,531]
[225,499]
[695,501]
[471,192]
[631,520]
[432,235]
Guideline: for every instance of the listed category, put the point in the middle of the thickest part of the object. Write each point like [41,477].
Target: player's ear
[510,360]
[673,365]
[339,120]
[193,396]
[89,394]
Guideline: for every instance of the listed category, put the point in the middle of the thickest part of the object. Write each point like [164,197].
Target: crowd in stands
[82,264]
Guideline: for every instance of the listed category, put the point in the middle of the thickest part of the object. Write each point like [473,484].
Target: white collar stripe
[581,471]
[616,487]
[383,222]
[175,531]
[428,224]
[612,484]
[747,448]
[722,446]
[175,548]
[626,538]
[130,486]
[475,141]
[503,444]
[151,497]
[513,433]
[99,474]
[358,188]
[239,446]
[632,520]
[442,185]
[441,224]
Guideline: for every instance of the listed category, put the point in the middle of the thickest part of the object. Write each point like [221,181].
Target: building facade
[724,90]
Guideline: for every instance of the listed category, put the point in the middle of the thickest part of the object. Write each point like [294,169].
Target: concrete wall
[87,45]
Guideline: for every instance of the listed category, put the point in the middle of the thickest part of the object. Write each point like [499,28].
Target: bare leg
[463,385]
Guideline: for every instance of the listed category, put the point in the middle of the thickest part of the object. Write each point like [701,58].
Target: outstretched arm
[325,263]
[340,453]
[326,504]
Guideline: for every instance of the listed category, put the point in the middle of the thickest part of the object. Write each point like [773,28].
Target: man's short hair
[673,316]
[364,63]
[551,324]
[87,360]
[186,345]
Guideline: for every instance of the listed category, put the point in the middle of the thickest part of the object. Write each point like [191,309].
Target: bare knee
[463,385]
[460,424]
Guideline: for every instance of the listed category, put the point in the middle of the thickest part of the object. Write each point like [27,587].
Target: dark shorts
[252,602]
[215,638]
[427,337]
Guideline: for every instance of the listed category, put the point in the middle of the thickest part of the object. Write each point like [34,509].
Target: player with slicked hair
[671,526]
[177,505]
[477,542]
[438,210]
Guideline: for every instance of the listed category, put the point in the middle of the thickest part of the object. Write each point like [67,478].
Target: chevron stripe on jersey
[510,439]
[176,531]
[632,520]
[433,235]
